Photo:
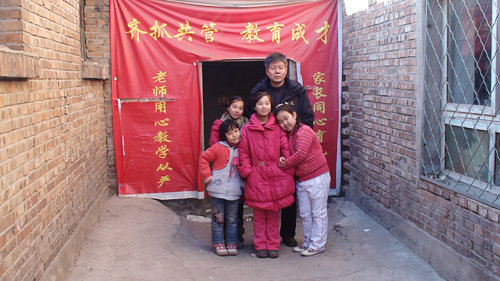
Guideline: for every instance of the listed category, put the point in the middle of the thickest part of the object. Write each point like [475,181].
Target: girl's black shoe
[273,254]
[261,253]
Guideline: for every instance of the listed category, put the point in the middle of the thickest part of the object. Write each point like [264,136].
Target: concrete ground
[141,239]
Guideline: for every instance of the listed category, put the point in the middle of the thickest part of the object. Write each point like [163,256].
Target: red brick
[493,215]
[472,206]
[12,13]
[496,249]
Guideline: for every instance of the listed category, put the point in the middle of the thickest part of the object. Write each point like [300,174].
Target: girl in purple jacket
[313,180]
[268,188]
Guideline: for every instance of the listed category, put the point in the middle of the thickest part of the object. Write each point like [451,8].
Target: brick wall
[53,134]
[380,93]
[98,46]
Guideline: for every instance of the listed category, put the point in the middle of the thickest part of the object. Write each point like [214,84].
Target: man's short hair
[275,57]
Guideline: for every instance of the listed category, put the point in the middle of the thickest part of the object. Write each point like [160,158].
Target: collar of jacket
[291,86]
[293,133]
[257,126]
[226,144]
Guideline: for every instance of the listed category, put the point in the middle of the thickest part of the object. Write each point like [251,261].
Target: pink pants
[266,229]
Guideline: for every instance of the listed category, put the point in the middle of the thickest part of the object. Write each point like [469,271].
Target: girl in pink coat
[268,188]
[313,180]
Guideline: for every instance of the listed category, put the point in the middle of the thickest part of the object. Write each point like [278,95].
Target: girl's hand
[207,180]
[281,162]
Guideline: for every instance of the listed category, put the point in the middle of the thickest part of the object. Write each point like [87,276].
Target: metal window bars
[461,126]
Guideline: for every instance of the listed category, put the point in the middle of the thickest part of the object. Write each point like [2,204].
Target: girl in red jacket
[224,185]
[313,179]
[268,188]
[234,110]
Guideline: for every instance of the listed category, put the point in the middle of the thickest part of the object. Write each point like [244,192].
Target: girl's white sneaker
[311,252]
[299,249]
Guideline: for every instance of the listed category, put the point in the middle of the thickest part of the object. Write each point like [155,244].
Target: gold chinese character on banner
[161,107]
[134,30]
[162,151]
[158,31]
[320,122]
[320,134]
[160,91]
[209,30]
[318,92]
[163,179]
[160,77]
[251,33]
[275,29]
[323,30]
[162,123]
[161,137]
[299,32]
[162,167]
[319,106]
[184,30]
[318,78]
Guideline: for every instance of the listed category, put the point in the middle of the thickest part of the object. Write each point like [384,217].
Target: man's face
[276,71]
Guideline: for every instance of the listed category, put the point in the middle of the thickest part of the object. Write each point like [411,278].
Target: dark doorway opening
[226,79]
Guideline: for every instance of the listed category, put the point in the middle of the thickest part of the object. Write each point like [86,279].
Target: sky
[353,6]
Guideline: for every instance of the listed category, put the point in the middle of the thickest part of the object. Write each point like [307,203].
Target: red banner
[156,47]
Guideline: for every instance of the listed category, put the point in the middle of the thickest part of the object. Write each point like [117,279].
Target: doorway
[232,78]
[226,79]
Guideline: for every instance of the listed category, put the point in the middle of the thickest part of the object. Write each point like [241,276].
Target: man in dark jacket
[283,89]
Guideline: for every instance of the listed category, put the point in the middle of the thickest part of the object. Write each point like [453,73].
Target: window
[462,101]
[469,46]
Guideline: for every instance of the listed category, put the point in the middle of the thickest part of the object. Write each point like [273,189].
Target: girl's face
[286,120]
[263,106]
[233,136]
[235,110]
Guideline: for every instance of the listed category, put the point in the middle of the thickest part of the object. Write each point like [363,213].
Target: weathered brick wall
[469,227]
[380,92]
[379,59]
[53,138]
[98,45]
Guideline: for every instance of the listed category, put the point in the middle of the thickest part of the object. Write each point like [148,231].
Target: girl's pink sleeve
[284,144]
[206,158]
[245,166]
[214,133]
[303,143]
[285,151]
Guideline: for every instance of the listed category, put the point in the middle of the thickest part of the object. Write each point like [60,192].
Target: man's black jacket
[294,94]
